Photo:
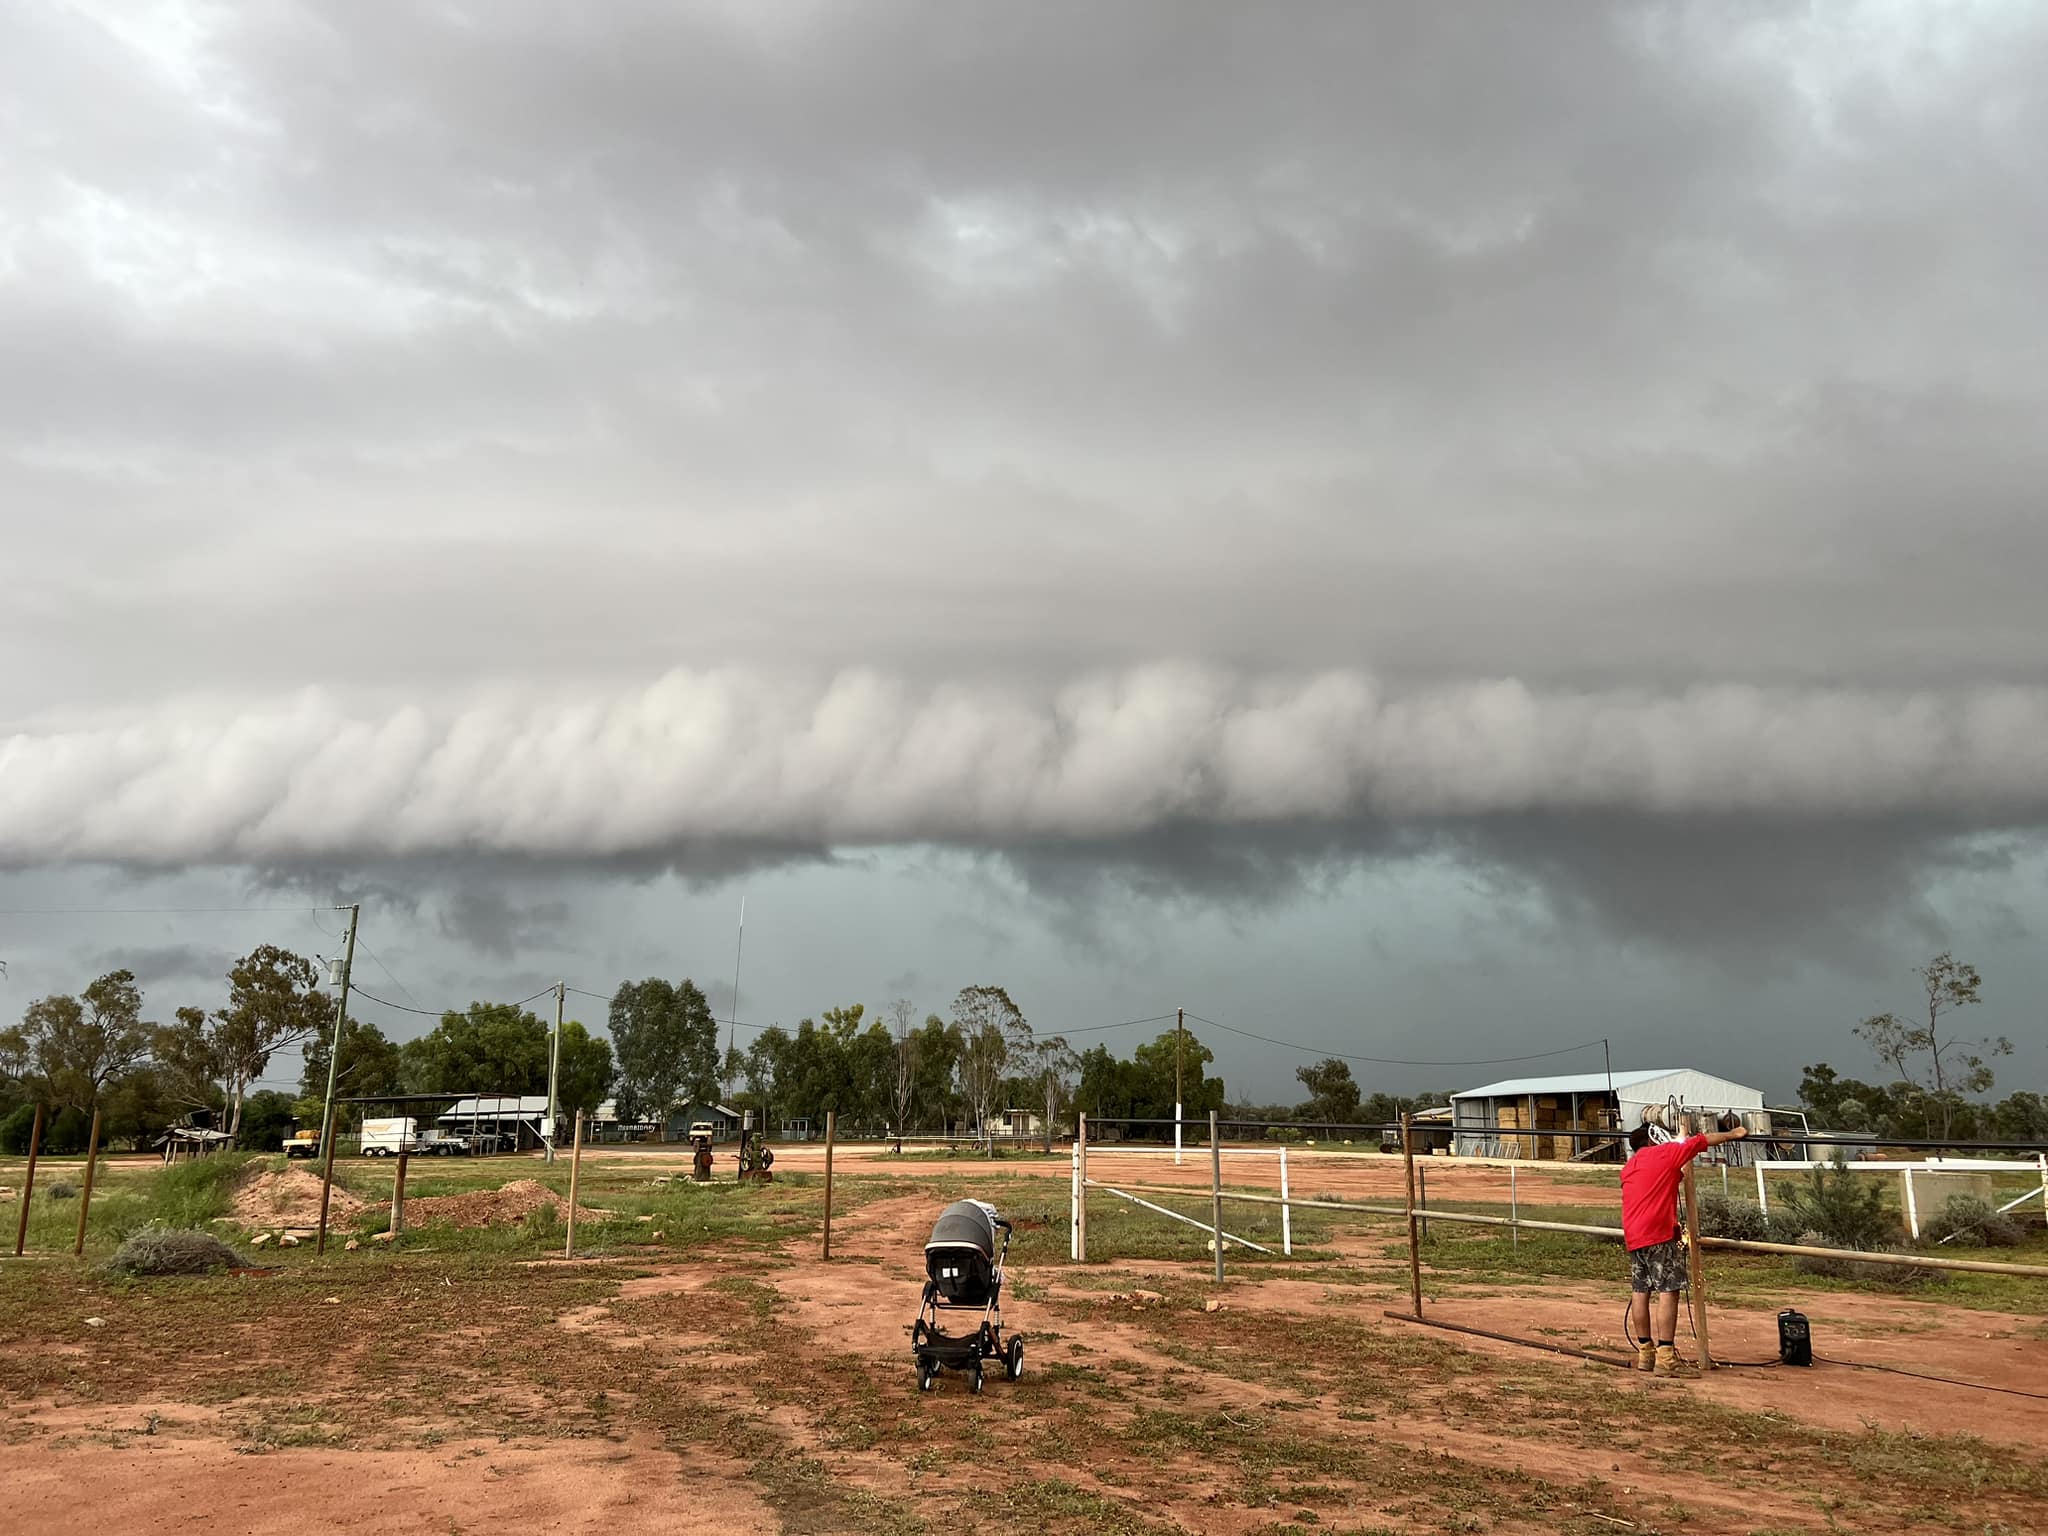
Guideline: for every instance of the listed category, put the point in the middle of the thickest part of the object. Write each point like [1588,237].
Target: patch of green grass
[1054,1503]
[127,1196]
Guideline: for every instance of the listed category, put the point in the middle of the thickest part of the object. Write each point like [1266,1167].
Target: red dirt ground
[99,1468]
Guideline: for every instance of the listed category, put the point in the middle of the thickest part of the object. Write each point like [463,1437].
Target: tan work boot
[1668,1363]
[1646,1357]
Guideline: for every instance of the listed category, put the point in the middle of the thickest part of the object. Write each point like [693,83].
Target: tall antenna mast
[732,1029]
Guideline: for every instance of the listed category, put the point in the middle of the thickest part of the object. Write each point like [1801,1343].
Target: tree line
[883,1071]
[98,1050]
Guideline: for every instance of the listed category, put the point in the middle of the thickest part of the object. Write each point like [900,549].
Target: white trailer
[388,1138]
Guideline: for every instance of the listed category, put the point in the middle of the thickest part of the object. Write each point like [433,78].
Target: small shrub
[1973,1220]
[1732,1216]
[167,1251]
[63,1191]
[1897,1277]
[542,1220]
[1835,1209]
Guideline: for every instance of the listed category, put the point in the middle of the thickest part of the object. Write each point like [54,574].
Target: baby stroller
[963,1265]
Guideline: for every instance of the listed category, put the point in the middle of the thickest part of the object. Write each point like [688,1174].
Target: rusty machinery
[701,1136]
[754,1157]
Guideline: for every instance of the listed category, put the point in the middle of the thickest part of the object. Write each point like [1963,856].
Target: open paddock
[698,1363]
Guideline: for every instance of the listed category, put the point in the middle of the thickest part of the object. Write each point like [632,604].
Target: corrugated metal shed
[1538,1116]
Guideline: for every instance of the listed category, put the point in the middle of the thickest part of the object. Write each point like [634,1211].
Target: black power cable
[1628,1333]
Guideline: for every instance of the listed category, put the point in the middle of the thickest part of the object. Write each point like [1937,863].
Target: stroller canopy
[965,1224]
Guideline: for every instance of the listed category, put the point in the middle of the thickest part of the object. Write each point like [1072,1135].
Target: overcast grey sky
[1434,531]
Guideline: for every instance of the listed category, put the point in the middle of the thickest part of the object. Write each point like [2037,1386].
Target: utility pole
[1180,1033]
[555,1072]
[348,960]
[1607,1056]
[732,1027]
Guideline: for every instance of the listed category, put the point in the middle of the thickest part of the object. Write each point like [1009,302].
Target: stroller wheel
[974,1381]
[925,1377]
[1013,1363]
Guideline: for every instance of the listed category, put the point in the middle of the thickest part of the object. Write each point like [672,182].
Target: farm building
[604,1124]
[1523,1116]
[519,1121]
[725,1123]
[1020,1125]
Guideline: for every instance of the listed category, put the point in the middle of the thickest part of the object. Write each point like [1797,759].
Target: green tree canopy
[1927,1054]
[73,1047]
[587,1073]
[492,1048]
[1332,1092]
[666,1043]
[274,1000]
[370,1064]
[993,1031]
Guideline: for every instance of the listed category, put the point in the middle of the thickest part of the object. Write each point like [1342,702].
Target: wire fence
[1156,1175]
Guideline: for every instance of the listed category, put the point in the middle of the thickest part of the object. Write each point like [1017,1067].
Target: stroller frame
[935,1350]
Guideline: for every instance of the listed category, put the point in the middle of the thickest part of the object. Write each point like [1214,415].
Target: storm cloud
[865,760]
[1191,447]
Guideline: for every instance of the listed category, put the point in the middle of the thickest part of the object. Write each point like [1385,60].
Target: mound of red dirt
[490,1207]
[290,1198]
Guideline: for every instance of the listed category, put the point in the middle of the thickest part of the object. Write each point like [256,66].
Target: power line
[144,911]
[1391,1061]
[425,1013]
[1098,1029]
[385,969]
[1951,1381]
[428,1013]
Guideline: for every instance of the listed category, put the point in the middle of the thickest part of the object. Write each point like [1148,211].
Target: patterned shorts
[1659,1267]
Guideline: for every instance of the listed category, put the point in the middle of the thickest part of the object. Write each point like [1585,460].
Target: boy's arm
[1715,1138]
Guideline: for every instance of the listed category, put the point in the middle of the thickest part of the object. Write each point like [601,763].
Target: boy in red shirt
[1649,1225]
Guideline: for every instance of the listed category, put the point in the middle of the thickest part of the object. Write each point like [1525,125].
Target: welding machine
[1795,1339]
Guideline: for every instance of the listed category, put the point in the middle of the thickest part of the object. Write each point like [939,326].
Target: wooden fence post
[1514,1212]
[575,1177]
[1696,1271]
[1074,1201]
[1216,1193]
[1286,1225]
[328,1137]
[1081,1187]
[92,1162]
[831,1137]
[28,1183]
[398,1192]
[1414,1242]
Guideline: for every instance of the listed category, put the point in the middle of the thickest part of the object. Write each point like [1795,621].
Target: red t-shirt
[1649,1191]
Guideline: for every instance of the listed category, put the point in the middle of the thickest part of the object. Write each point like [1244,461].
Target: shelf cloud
[864,759]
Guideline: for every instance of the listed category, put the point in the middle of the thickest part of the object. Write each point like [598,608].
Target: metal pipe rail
[1841,1139]
[1744,1245]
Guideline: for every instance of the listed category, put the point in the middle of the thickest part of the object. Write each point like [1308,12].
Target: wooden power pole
[348,960]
